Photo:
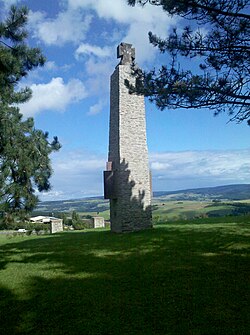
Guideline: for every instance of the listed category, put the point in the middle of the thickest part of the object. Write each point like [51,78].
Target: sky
[187,148]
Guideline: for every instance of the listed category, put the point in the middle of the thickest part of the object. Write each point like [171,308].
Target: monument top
[126,53]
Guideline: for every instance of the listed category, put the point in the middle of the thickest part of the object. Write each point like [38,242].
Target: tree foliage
[220,42]
[75,219]
[24,150]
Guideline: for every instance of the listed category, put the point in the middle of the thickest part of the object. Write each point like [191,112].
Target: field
[164,208]
[171,210]
[167,206]
[179,278]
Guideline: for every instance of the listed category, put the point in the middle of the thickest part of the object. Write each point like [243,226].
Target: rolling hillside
[228,192]
[98,204]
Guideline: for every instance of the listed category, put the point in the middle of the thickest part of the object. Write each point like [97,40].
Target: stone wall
[56,226]
[98,222]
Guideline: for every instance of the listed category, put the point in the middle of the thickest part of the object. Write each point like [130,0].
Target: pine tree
[222,47]
[24,150]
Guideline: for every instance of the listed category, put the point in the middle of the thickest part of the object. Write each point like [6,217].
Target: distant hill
[98,204]
[227,192]
[92,204]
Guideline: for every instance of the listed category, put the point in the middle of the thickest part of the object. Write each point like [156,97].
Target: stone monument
[127,179]
[56,225]
[98,222]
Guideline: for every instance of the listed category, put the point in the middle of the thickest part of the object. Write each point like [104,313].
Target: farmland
[167,206]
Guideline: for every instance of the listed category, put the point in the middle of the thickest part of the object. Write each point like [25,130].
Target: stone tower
[127,179]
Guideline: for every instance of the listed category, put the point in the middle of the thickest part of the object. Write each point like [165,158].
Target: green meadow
[165,210]
[178,278]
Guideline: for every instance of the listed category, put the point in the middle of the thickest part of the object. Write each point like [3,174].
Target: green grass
[167,210]
[240,219]
[174,279]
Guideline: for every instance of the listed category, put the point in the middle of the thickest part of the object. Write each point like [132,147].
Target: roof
[43,218]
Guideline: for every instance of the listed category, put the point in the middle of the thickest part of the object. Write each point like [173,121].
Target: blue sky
[187,149]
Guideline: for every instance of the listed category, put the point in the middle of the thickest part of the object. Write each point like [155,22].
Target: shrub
[83,224]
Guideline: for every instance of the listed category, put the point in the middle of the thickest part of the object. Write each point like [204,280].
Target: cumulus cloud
[88,49]
[118,10]
[50,66]
[8,3]
[79,163]
[72,24]
[98,73]
[190,169]
[137,21]
[97,108]
[55,95]
[68,26]
[77,174]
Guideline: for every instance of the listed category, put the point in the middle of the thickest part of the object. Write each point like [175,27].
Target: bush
[83,224]
[107,224]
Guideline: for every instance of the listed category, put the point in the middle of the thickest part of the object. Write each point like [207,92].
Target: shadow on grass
[171,280]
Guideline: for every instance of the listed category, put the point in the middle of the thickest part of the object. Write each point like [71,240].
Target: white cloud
[97,108]
[118,10]
[68,26]
[50,65]
[136,21]
[79,163]
[88,49]
[98,72]
[8,3]
[49,70]
[79,173]
[158,166]
[190,169]
[55,95]
[74,22]
[98,76]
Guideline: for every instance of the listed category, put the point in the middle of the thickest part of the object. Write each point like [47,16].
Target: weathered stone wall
[98,222]
[130,210]
[56,226]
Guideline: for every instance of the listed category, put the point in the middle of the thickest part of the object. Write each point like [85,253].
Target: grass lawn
[174,279]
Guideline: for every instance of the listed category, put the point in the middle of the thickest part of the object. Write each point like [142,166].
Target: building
[56,224]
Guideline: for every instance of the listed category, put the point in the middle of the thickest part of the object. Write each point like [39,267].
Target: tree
[76,220]
[222,46]
[24,150]
[65,219]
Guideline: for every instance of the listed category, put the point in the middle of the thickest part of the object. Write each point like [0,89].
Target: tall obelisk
[127,181]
